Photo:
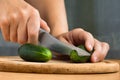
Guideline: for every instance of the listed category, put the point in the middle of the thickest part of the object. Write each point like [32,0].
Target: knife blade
[47,40]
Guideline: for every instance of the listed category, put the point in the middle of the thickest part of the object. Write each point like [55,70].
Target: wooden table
[33,76]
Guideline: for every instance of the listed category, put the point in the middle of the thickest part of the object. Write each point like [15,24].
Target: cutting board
[16,64]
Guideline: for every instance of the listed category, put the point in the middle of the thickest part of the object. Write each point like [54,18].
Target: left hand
[79,36]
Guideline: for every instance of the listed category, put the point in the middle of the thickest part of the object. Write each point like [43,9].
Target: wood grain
[16,64]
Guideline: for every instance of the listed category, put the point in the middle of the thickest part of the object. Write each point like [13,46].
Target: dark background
[100,17]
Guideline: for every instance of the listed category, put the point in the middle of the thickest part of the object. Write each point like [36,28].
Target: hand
[80,36]
[20,22]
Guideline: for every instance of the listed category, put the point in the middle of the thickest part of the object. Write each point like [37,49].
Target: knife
[55,45]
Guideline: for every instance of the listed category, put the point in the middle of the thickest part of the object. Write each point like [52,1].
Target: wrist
[58,30]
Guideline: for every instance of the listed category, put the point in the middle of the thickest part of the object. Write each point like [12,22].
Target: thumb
[44,25]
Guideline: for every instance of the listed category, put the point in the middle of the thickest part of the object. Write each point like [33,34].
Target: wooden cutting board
[16,64]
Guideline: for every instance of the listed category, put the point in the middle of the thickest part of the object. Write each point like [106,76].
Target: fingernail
[48,29]
[90,47]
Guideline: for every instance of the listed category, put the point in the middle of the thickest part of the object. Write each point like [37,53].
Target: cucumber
[34,53]
[76,58]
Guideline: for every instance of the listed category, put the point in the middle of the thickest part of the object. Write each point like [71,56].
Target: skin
[54,14]
[20,22]
[79,36]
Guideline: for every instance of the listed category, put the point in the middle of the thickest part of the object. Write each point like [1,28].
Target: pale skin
[21,20]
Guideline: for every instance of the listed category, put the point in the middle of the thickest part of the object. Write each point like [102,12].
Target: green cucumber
[34,53]
[75,58]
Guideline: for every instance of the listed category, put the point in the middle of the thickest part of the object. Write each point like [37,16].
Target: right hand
[20,22]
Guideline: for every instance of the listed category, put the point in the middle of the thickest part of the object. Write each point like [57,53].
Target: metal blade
[47,40]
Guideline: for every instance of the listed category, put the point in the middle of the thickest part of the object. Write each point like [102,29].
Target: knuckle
[106,44]
[35,12]
[89,34]
[80,29]
[14,17]
[20,41]
[23,15]
[45,23]
[32,34]
[3,21]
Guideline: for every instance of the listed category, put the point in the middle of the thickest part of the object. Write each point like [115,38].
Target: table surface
[35,76]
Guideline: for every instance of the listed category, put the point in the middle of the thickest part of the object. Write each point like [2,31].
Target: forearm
[53,12]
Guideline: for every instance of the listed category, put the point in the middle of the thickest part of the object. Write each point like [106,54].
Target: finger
[97,54]
[33,27]
[44,25]
[22,29]
[100,56]
[105,48]
[80,36]
[13,28]
[5,28]
[76,37]
[89,41]
[22,33]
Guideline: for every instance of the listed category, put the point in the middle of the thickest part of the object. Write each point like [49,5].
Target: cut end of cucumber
[78,59]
